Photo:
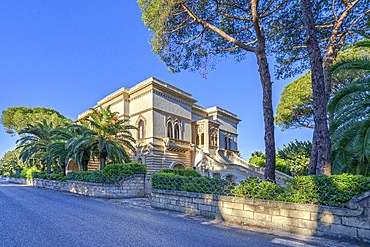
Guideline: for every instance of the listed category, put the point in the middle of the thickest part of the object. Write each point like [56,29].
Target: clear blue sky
[67,55]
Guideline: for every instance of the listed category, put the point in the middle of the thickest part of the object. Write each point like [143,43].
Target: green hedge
[333,190]
[256,188]
[183,172]
[52,176]
[111,174]
[170,181]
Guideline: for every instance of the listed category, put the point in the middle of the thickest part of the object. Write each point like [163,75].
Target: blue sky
[67,55]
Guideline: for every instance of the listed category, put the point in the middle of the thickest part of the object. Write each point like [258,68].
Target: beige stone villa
[174,132]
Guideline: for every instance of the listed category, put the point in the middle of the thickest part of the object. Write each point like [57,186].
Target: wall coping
[120,190]
[356,209]
[342,223]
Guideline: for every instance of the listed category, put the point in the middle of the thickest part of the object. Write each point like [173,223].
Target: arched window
[177,131]
[230,178]
[230,143]
[202,139]
[141,129]
[178,166]
[226,142]
[169,130]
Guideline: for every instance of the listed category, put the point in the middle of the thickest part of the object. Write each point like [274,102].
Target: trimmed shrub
[41,175]
[111,174]
[87,176]
[256,188]
[53,176]
[57,176]
[182,172]
[332,191]
[125,169]
[170,181]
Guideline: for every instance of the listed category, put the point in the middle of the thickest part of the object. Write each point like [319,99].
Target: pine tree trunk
[265,77]
[321,139]
[313,158]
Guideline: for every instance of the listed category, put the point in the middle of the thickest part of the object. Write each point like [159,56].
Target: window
[169,130]
[177,131]
[141,129]
[230,178]
[178,166]
[226,142]
[230,143]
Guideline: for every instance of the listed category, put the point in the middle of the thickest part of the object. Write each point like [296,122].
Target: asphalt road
[31,216]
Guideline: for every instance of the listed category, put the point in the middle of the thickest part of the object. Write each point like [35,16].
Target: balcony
[176,145]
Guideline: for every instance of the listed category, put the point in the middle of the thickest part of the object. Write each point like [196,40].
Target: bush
[281,165]
[326,190]
[256,188]
[53,176]
[27,172]
[170,181]
[183,172]
[111,174]
[258,161]
[57,176]
[333,190]
[125,169]
[87,176]
[41,175]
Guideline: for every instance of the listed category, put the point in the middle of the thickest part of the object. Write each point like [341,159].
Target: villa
[174,132]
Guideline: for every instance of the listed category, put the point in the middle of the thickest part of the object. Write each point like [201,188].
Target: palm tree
[34,143]
[63,147]
[350,128]
[109,136]
[77,145]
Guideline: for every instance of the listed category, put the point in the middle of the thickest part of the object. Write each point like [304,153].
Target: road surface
[32,216]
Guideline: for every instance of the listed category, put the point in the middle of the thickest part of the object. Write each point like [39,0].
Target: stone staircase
[229,160]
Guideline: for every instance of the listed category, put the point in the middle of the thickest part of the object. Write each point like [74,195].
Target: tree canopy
[11,164]
[295,106]
[14,119]
[314,38]
[338,23]
[195,34]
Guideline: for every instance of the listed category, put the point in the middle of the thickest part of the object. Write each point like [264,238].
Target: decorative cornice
[171,96]
[222,113]
[161,111]
[120,92]
[138,96]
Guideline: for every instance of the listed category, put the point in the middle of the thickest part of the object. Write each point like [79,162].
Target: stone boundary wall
[351,223]
[130,187]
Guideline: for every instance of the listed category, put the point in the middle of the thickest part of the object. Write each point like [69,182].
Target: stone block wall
[350,223]
[133,186]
